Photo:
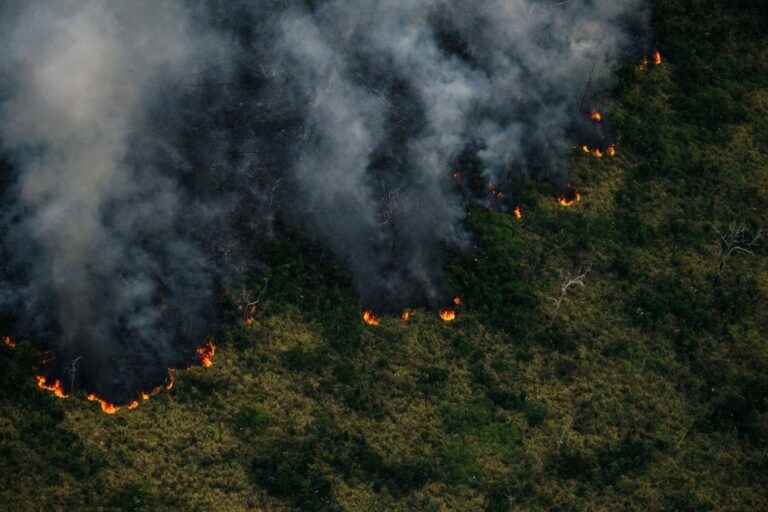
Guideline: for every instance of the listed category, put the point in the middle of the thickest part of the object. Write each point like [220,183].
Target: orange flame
[447,315]
[106,407]
[9,342]
[597,153]
[206,353]
[406,315]
[133,405]
[585,148]
[370,318]
[457,301]
[518,212]
[569,198]
[657,57]
[55,387]
[611,150]
[596,116]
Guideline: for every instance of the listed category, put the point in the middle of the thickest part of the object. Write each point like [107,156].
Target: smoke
[150,147]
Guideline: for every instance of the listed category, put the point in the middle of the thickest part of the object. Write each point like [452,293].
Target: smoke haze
[150,147]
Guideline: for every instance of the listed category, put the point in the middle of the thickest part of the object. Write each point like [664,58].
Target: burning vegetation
[406,315]
[206,353]
[370,318]
[569,198]
[448,314]
[55,386]
[518,213]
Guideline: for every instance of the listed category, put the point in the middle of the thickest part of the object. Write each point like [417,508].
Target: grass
[645,390]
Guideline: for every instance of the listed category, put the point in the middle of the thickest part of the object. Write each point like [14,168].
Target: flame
[457,301]
[569,198]
[106,407]
[55,387]
[518,212]
[133,405]
[585,148]
[9,342]
[447,315]
[406,315]
[370,318]
[597,153]
[206,353]
[657,57]
[611,150]
[596,116]
[171,379]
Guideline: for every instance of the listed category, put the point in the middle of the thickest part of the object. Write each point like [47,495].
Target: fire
[585,148]
[657,57]
[597,153]
[457,301]
[518,212]
[447,315]
[406,315]
[106,407]
[171,379]
[9,342]
[133,405]
[370,318]
[611,150]
[596,116]
[569,198]
[55,387]
[206,353]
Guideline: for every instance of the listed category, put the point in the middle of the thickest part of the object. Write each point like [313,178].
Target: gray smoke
[151,146]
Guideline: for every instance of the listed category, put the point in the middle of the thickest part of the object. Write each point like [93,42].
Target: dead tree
[72,370]
[569,281]
[737,239]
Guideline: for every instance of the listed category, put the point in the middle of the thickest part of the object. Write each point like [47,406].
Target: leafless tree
[248,304]
[568,282]
[737,239]
[72,370]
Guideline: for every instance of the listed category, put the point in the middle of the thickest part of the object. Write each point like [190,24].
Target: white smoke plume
[150,146]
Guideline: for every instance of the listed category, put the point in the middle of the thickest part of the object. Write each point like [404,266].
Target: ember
[206,353]
[569,198]
[596,116]
[370,318]
[54,387]
[447,315]
[9,342]
[518,212]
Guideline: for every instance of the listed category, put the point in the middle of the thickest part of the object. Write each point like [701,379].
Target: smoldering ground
[152,148]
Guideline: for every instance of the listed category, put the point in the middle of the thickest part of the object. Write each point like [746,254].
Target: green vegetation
[645,389]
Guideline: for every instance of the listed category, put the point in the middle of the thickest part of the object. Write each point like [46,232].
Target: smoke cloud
[151,147]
